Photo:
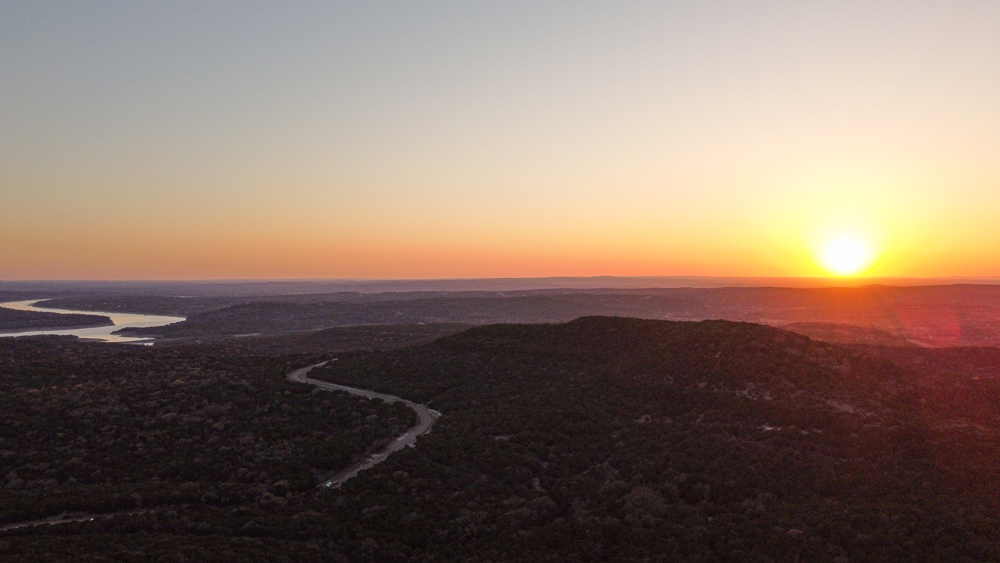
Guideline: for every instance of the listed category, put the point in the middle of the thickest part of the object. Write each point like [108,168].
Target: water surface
[120,320]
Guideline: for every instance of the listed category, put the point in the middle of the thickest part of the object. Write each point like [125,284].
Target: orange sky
[398,141]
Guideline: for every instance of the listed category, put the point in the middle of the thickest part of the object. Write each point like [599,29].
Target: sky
[218,140]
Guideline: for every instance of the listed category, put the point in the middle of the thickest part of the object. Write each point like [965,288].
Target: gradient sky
[174,140]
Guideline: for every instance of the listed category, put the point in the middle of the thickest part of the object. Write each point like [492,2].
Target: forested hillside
[936,316]
[350,338]
[609,439]
[276,317]
[13,320]
[99,428]
[619,439]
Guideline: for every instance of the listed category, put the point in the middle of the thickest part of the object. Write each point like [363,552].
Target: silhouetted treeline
[954,315]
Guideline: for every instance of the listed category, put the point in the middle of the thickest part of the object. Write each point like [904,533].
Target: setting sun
[846,257]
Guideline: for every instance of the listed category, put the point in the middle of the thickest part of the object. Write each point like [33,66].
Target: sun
[846,256]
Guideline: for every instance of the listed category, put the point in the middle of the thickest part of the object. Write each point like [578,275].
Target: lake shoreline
[104,331]
[53,328]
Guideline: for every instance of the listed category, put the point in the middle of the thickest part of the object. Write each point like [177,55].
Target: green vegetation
[100,428]
[848,334]
[352,338]
[603,439]
[143,548]
[142,304]
[12,320]
[277,317]
[614,439]
[956,315]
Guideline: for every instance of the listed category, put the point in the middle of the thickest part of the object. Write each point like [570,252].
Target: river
[104,333]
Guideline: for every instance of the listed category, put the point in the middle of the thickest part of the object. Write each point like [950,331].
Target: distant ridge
[308,286]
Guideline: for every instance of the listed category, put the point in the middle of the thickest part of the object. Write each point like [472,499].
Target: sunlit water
[121,320]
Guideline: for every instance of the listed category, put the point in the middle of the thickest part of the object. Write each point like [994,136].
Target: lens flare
[846,257]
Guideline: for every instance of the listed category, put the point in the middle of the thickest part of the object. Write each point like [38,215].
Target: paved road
[409,438]
[66,518]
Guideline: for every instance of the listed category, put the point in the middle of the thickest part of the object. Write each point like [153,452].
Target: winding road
[68,517]
[426,418]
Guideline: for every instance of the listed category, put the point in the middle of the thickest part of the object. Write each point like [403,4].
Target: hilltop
[600,439]
[617,439]
[929,316]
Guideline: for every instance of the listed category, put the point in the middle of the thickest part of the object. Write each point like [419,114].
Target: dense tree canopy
[98,428]
[12,320]
[601,439]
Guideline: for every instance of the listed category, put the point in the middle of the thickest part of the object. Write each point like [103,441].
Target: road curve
[426,418]
[409,438]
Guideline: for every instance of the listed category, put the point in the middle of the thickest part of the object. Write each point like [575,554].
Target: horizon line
[540,282]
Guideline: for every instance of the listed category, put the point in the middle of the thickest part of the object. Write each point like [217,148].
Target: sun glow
[846,257]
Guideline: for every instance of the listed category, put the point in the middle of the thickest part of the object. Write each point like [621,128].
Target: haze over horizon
[292,286]
[241,140]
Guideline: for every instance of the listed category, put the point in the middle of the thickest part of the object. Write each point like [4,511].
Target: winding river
[104,333]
